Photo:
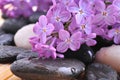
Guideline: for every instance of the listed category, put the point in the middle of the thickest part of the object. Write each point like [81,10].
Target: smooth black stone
[35,16]
[47,69]
[8,53]
[85,54]
[1,31]
[7,39]
[97,71]
[13,25]
[28,54]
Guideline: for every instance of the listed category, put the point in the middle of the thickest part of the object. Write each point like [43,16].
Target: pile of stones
[88,63]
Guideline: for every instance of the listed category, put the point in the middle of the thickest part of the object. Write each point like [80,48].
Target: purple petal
[58,26]
[50,28]
[60,55]
[111,33]
[43,38]
[63,35]
[78,18]
[92,35]
[73,8]
[36,28]
[65,16]
[76,36]
[62,47]
[110,20]
[117,39]
[43,21]
[98,18]
[100,6]
[117,3]
[111,9]
[75,45]
[91,42]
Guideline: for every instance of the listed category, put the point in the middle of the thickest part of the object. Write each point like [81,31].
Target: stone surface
[22,36]
[9,53]
[35,16]
[6,39]
[98,71]
[12,25]
[84,54]
[110,56]
[27,54]
[47,69]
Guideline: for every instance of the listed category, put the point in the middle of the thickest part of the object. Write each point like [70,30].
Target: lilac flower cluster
[70,23]
[17,8]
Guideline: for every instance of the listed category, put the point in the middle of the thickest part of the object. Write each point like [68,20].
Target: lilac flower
[58,15]
[85,26]
[43,28]
[81,11]
[33,41]
[46,51]
[89,39]
[105,15]
[117,4]
[115,33]
[72,42]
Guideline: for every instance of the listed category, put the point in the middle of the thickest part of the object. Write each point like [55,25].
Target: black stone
[97,71]
[1,31]
[47,69]
[6,39]
[12,25]
[85,54]
[4,16]
[8,53]
[27,54]
[35,17]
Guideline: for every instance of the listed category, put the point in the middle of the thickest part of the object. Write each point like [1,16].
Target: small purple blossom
[81,11]
[46,51]
[58,15]
[89,39]
[72,42]
[105,15]
[43,28]
[115,33]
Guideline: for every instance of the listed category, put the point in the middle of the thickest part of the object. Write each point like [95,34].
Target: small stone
[85,54]
[12,25]
[28,54]
[22,36]
[97,71]
[9,53]
[110,56]
[6,39]
[35,17]
[47,69]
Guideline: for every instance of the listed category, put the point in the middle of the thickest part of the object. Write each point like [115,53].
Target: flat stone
[9,53]
[7,39]
[110,56]
[47,69]
[13,25]
[85,54]
[22,36]
[27,54]
[97,71]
